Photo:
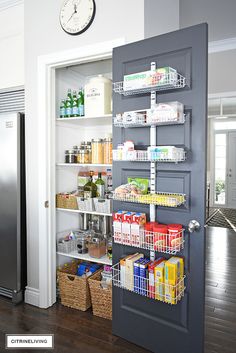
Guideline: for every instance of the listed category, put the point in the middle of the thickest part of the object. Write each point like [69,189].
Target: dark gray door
[157,326]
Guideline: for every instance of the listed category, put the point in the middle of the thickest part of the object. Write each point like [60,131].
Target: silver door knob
[193,226]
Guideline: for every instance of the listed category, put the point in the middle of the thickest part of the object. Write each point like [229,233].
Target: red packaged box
[137,229]
[160,237]
[117,226]
[151,276]
[175,236]
[126,227]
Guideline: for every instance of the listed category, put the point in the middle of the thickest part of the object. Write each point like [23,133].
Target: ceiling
[5,4]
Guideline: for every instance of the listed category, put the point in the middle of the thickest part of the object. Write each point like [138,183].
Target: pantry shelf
[145,156]
[140,285]
[74,254]
[153,241]
[169,82]
[76,165]
[86,120]
[83,212]
[159,199]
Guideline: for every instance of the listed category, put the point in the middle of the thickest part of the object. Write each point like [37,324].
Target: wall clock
[76,16]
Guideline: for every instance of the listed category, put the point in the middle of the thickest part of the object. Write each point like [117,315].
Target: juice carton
[151,276]
[159,273]
[137,229]
[117,226]
[144,277]
[129,270]
[137,275]
[174,269]
[123,268]
[126,227]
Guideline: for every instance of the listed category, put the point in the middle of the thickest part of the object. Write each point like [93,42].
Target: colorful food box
[174,270]
[166,112]
[137,229]
[137,275]
[151,274]
[126,227]
[164,76]
[143,285]
[137,80]
[159,273]
[117,226]
[129,270]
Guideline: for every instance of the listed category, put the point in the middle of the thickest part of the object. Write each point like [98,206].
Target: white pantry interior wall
[12,46]
[43,35]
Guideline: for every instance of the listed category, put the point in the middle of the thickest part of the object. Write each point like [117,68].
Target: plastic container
[175,236]
[97,96]
[160,237]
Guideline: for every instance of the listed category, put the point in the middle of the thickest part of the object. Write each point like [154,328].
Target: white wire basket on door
[179,155]
[157,290]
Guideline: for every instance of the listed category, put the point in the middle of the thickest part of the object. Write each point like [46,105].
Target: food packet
[141,183]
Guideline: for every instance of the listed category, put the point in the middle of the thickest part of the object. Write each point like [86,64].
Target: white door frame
[47,66]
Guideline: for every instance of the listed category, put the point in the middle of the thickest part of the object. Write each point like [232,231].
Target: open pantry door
[150,323]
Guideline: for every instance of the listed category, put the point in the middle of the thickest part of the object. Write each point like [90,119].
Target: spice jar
[70,156]
[97,151]
[107,148]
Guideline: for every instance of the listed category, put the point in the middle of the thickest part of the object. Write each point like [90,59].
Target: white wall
[219,14]
[43,35]
[12,47]
[160,17]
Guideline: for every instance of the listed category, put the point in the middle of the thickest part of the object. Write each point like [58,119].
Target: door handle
[193,226]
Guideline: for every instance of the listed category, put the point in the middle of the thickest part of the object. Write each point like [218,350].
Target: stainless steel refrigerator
[12,207]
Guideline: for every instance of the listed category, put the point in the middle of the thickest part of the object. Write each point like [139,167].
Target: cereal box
[144,277]
[151,276]
[129,270]
[174,269]
[159,273]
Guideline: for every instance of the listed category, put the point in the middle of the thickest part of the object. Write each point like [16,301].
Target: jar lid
[69,152]
[97,140]
[108,139]
[175,227]
[161,228]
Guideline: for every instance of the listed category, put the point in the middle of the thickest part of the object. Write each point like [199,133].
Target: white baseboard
[32,296]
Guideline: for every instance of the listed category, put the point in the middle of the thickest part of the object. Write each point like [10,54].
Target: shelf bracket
[153,138]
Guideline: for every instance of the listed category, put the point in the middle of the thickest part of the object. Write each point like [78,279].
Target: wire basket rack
[153,241]
[148,156]
[168,81]
[159,199]
[161,291]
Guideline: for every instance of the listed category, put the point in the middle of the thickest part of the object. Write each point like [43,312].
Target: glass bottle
[75,109]
[81,102]
[100,186]
[69,103]
[90,189]
[63,109]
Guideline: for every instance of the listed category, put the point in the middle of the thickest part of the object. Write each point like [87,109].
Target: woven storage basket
[66,201]
[101,298]
[74,291]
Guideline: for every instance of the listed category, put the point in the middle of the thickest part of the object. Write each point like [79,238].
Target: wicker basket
[101,298]
[66,201]
[74,291]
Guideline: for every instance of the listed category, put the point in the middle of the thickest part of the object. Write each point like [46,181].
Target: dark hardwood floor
[79,332]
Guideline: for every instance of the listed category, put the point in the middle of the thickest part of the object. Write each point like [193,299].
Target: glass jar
[97,246]
[97,151]
[107,148]
[84,157]
[70,156]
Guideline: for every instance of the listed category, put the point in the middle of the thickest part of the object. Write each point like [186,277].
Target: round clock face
[77,15]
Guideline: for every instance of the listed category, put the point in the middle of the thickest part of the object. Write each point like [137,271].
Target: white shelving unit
[71,132]
[84,212]
[78,165]
[85,257]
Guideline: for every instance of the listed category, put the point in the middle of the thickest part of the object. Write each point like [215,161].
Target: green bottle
[69,103]
[100,186]
[90,189]
[75,108]
[81,102]
[63,109]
